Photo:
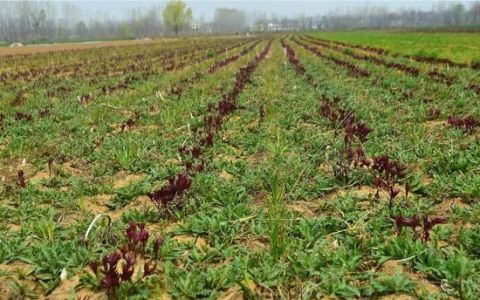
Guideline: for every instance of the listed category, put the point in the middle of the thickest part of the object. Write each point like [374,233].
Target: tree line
[35,21]
[44,21]
[442,15]
[453,15]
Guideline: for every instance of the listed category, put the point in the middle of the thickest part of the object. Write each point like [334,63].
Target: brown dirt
[10,170]
[64,289]
[225,175]
[449,204]
[236,293]
[426,180]
[252,243]
[325,168]
[390,267]
[362,192]
[256,159]
[226,157]
[124,180]
[170,227]
[306,208]
[72,46]
[117,128]
[14,227]
[199,242]
[39,176]
[96,204]
[15,269]
[398,297]
[140,203]
[260,199]
[251,125]
[423,285]
[433,124]
[72,169]
[165,297]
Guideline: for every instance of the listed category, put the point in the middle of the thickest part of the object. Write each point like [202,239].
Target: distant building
[196,26]
[274,27]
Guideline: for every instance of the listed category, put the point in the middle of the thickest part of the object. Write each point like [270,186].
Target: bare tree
[38,19]
[475,13]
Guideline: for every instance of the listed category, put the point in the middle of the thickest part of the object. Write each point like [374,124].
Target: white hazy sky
[118,8]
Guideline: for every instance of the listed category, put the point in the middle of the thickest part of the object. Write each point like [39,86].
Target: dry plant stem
[92,224]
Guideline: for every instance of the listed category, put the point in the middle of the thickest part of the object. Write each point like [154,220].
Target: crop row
[174,66]
[375,60]
[434,74]
[170,197]
[418,58]
[136,74]
[167,58]
[193,157]
[387,173]
[95,57]
[178,88]
[352,68]
[468,123]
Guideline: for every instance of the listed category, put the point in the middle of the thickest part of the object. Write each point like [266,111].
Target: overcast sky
[119,8]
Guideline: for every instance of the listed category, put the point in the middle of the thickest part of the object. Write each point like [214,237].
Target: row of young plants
[412,210]
[352,69]
[173,64]
[178,88]
[170,198]
[386,172]
[107,89]
[426,197]
[434,74]
[244,206]
[78,147]
[376,60]
[467,123]
[132,121]
[88,63]
[426,59]
[135,72]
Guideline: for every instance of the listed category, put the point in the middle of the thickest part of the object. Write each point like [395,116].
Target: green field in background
[459,47]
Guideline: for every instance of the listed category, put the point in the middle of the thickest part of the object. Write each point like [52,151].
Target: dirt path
[33,49]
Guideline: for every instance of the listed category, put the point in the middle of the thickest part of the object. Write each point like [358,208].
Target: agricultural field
[305,166]
[457,46]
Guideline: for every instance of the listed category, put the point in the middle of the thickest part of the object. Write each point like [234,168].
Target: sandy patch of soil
[236,293]
[124,180]
[141,202]
[448,205]
[14,270]
[225,175]
[307,209]
[423,285]
[199,242]
[96,204]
